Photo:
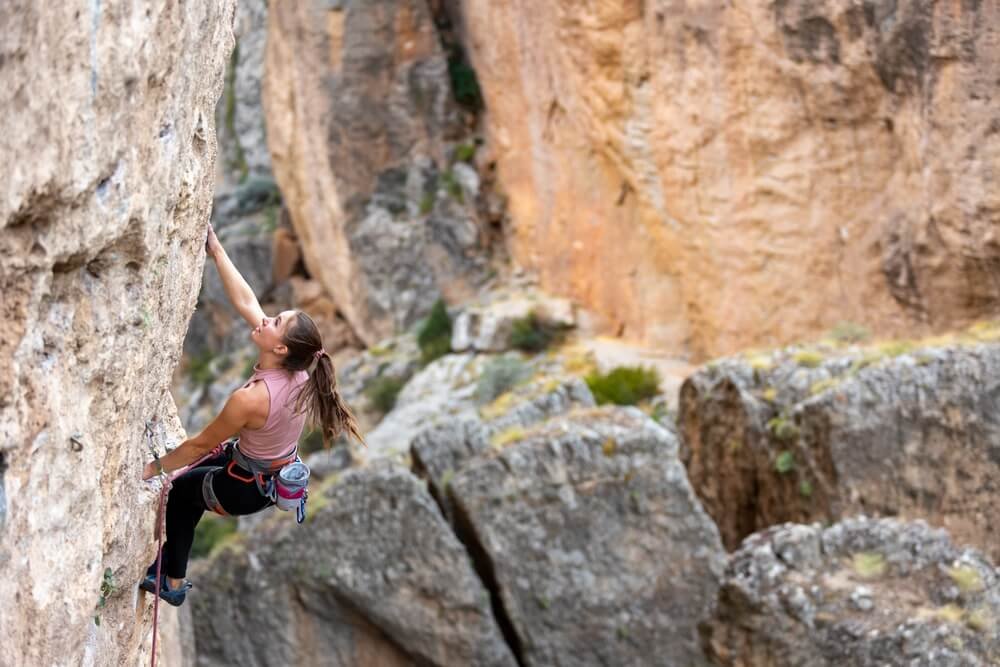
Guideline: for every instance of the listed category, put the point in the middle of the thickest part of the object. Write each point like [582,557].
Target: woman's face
[270,333]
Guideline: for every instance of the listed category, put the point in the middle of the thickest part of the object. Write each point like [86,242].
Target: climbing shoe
[169,595]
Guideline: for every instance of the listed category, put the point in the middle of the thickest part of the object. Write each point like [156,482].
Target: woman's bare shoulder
[256,396]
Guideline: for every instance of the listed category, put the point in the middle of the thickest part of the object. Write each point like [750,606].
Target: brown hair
[318,397]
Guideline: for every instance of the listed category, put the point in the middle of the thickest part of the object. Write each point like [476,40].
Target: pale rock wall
[109,150]
[710,176]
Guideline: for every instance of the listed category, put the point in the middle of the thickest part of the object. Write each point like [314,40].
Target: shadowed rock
[591,538]
[796,436]
[375,577]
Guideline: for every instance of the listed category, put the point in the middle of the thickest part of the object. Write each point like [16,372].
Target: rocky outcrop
[814,434]
[372,155]
[488,327]
[595,547]
[110,138]
[374,578]
[445,446]
[861,592]
[710,177]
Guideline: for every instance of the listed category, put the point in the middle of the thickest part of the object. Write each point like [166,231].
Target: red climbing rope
[159,559]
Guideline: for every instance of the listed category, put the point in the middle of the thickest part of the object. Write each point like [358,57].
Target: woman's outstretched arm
[237,289]
[233,417]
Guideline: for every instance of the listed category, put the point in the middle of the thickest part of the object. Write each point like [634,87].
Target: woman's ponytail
[326,407]
[318,396]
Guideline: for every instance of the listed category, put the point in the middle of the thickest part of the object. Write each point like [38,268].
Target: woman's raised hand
[212,245]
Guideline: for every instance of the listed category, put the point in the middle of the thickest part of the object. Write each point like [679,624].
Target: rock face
[714,176]
[861,592]
[239,115]
[796,436]
[447,445]
[367,146]
[597,549]
[102,225]
[374,578]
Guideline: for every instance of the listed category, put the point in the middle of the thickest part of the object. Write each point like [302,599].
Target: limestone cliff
[110,148]
[714,175]
[370,151]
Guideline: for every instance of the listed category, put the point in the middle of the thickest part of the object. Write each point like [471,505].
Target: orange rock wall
[711,176]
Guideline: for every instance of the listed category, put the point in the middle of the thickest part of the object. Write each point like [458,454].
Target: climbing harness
[282,480]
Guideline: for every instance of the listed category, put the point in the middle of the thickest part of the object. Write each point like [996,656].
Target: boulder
[439,450]
[488,328]
[374,577]
[596,548]
[817,434]
[861,592]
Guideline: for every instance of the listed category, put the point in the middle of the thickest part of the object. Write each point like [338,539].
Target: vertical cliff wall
[109,147]
[714,175]
[364,131]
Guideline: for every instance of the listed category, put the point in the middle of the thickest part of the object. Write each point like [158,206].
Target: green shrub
[500,375]
[200,368]
[427,203]
[785,462]
[311,441]
[464,152]
[849,332]
[452,186]
[532,334]
[383,390]
[434,336]
[210,531]
[624,385]
[464,84]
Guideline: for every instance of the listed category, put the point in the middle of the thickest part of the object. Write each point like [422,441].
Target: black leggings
[185,505]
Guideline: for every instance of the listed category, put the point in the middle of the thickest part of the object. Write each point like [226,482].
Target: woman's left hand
[150,470]
[212,245]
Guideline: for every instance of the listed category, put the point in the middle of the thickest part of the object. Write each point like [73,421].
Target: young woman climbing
[293,380]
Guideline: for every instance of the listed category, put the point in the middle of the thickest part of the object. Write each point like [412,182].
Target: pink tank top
[280,433]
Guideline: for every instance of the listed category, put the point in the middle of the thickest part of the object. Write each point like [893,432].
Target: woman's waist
[266,449]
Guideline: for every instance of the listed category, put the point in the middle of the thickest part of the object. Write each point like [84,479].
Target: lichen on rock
[860,592]
[887,429]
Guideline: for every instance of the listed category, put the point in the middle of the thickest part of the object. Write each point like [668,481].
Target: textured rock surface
[717,175]
[376,577]
[445,446]
[445,389]
[111,146]
[799,436]
[362,127]
[861,592]
[598,548]
[239,115]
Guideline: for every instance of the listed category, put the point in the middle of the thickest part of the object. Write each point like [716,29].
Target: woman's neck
[267,361]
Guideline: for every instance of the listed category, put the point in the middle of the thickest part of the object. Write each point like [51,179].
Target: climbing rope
[164,488]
